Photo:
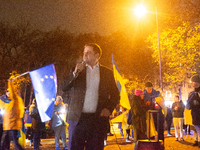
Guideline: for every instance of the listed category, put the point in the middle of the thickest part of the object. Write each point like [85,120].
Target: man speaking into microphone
[94,97]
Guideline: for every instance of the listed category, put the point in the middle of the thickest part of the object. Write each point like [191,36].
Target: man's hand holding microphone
[79,67]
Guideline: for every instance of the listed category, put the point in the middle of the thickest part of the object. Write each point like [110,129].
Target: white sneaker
[169,134]
[105,143]
[127,140]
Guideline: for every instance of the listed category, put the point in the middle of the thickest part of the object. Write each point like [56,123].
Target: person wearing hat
[138,115]
[193,103]
[150,96]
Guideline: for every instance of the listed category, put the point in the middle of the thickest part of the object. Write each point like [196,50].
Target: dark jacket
[195,108]
[169,116]
[108,92]
[151,97]
[58,118]
[180,109]
[37,124]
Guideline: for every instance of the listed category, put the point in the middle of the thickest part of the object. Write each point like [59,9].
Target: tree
[179,51]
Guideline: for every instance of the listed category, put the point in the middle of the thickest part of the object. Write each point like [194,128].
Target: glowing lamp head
[140,11]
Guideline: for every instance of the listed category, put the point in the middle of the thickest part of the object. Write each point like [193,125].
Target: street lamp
[140,11]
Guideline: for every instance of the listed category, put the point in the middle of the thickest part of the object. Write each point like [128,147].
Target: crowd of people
[94,97]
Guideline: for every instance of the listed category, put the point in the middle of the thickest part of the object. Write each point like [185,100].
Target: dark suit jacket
[108,92]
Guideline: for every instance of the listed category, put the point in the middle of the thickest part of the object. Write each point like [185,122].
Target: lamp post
[140,11]
[161,86]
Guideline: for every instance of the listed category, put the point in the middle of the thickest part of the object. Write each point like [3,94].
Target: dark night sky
[77,16]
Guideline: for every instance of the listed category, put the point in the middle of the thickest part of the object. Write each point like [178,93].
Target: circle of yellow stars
[46,77]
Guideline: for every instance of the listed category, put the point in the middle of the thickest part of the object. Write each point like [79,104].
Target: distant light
[168,103]
[2,111]
[156,104]
[62,110]
[140,11]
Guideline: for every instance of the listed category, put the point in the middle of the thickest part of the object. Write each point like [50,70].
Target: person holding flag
[44,82]
[95,95]
[12,118]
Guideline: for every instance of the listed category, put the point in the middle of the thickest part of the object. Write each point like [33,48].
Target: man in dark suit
[94,97]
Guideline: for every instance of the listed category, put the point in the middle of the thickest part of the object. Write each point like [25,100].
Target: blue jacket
[151,97]
[57,118]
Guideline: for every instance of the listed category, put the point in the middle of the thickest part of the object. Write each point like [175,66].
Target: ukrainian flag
[124,101]
[21,135]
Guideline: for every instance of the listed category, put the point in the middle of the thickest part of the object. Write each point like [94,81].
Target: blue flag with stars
[44,82]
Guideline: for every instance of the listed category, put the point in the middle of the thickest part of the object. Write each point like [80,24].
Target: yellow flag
[124,101]
[161,101]
[118,118]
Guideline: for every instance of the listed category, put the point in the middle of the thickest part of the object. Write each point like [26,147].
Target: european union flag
[44,82]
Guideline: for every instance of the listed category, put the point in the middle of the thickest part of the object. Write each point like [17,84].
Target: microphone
[83,62]
[78,71]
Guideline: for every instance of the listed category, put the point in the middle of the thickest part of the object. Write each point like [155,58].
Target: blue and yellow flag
[124,101]
[44,82]
[21,135]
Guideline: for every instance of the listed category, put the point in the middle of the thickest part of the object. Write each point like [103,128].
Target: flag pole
[20,75]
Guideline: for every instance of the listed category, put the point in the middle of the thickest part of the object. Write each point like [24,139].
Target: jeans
[90,132]
[5,143]
[60,131]
[197,127]
[36,139]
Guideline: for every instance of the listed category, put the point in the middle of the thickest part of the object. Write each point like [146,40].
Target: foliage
[179,51]
[23,48]
[133,85]
[18,81]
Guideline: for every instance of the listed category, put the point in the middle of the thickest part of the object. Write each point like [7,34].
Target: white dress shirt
[92,89]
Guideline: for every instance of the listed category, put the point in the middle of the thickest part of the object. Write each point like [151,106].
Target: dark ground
[117,143]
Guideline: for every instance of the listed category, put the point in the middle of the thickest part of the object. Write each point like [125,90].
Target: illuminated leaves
[17,81]
[179,51]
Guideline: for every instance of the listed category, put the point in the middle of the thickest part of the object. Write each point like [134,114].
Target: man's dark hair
[148,84]
[177,96]
[96,48]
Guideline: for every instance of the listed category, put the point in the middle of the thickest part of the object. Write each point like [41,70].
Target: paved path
[117,143]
